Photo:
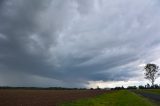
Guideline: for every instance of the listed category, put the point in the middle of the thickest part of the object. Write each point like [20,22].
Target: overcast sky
[77,43]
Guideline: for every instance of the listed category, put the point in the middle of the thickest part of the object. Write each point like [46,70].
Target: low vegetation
[153,91]
[116,98]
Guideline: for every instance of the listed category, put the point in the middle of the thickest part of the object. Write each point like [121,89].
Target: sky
[78,43]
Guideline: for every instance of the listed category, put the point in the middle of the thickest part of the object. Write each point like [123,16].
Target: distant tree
[156,86]
[141,87]
[151,72]
[147,86]
[118,88]
[91,89]
[98,88]
[131,87]
[122,87]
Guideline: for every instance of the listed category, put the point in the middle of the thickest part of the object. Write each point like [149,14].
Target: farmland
[17,97]
[116,98]
[153,91]
[39,97]
[152,94]
[28,97]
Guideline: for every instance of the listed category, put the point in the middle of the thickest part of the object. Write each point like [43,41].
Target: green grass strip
[116,98]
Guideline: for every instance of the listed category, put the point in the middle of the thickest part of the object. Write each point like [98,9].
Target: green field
[153,91]
[116,98]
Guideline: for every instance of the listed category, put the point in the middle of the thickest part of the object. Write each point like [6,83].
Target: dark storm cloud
[17,24]
[71,42]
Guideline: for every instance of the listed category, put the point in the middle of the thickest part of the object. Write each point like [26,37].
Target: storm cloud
[72,42]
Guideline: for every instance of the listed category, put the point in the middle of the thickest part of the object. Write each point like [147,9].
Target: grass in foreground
[117,98]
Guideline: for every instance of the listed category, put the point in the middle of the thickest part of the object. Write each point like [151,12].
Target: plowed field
[43,97]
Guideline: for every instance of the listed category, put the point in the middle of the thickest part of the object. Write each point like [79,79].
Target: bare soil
[43,97]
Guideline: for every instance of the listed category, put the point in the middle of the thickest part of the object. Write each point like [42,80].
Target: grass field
[154,91]
[152,94]
[117,98]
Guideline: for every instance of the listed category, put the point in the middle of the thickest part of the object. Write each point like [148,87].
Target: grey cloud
[68,43]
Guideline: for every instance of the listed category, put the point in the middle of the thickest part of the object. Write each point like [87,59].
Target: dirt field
[43,97]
